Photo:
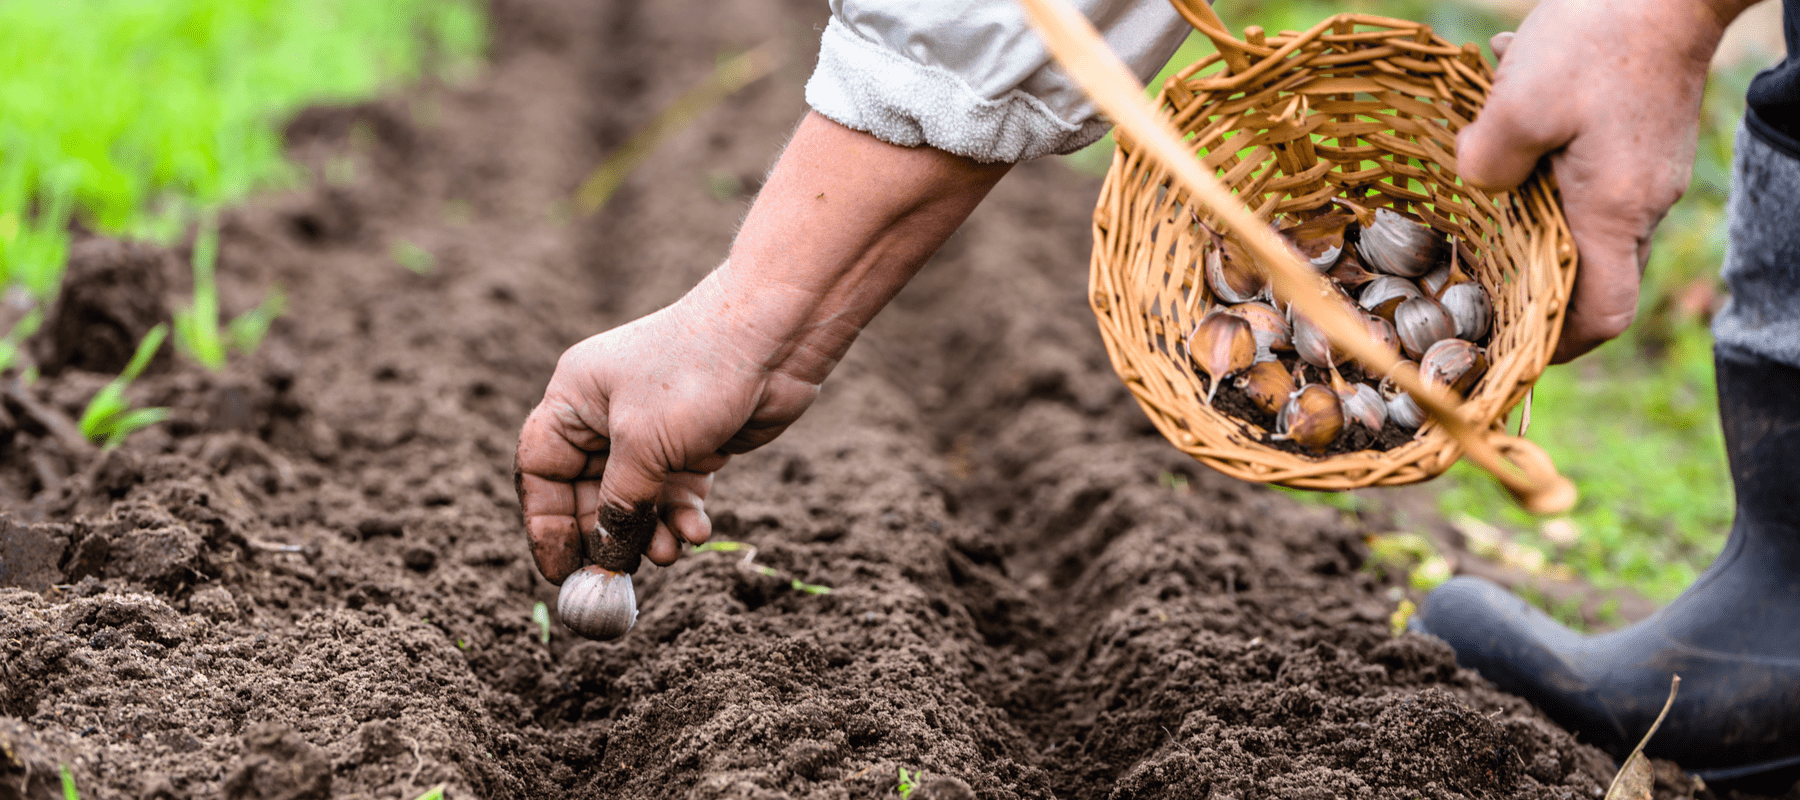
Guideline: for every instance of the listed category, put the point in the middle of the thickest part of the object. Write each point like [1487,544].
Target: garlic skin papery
[1470,309]
[597,603]
[1267,384]
[1313,417]
[1222,345]
[1399,246]
[1421,323]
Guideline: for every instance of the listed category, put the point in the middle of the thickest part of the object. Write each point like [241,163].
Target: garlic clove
[1404,411]
[1366,407]
[1421,323]
[1270,328]
[1470,309]
[1324,261]
[1222,345]
[1454,364]
[1310,342]
[1399,246]
[1267,384]
[1231,274]
[1313,417]
[1384,294]
[1433,282]
[1384,335]
[597,603]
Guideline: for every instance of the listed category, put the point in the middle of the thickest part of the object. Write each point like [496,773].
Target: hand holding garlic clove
[599,601]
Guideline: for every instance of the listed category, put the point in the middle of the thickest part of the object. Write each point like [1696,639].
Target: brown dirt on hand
[312,580]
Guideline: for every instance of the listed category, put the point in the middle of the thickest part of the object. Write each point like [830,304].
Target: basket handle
[1200,14]
[1524,469]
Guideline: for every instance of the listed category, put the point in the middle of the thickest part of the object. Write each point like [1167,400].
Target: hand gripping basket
[1358,106]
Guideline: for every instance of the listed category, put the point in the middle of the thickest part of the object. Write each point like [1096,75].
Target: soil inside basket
[313,581]
[1232,401]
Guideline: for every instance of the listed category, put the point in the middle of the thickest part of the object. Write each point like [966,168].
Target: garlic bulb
[1399,246]
[1421,323]
[1435,281]
[597,603]
[1470,309]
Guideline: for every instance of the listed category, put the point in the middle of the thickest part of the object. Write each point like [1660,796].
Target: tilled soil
[312,580]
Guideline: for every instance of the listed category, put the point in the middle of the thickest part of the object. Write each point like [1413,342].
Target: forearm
[844,221]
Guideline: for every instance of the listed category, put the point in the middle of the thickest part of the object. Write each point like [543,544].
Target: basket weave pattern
[1361,107]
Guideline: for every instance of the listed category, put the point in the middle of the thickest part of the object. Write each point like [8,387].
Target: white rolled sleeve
[973,78]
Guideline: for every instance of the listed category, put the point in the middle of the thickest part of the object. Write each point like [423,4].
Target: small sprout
[909,782]
[413,257]
[727,546]
[1402,615]
[435,792]
[109,417]
[461,643]
[197,326]
[68,784]
[1173,480]
[540,614]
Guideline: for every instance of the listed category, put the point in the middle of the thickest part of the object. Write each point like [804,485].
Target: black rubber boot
[1734,636]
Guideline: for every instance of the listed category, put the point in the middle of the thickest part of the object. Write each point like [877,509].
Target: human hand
[646,413]
[1610,90]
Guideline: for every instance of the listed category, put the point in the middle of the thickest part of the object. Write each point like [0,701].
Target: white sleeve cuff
[972,78]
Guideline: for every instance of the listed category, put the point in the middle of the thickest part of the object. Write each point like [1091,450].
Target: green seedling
[540,614]
[413,257]
[109,417]
[197,326]
[68,784]
[434,793]
[246,333]
[727,78]
[909,782]
[725,546]
[14,339]
[197,331]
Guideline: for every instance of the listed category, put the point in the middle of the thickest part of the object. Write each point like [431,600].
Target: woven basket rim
[1448,80]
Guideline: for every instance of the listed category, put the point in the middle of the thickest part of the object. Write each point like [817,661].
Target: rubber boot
[1734,636]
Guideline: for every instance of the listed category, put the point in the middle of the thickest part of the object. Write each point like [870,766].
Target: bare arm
[1610,91]
[646,412]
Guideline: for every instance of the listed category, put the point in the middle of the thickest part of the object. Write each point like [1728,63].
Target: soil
[311,581]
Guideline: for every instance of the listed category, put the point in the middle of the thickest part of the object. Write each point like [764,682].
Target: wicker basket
[1358,106]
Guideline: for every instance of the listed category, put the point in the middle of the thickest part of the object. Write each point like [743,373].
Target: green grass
[131,116]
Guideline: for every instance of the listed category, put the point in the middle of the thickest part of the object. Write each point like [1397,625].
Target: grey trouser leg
[1762,261]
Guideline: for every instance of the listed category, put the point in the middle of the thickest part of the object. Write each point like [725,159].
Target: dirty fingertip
[691,524]
[663,550]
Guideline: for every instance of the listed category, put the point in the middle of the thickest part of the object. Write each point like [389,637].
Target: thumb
[1498,151]
[630,487]
[1515,128]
